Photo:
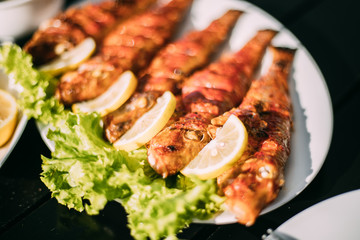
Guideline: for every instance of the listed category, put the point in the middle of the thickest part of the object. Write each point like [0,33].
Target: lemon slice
[71,59]
[115,96]
[149,124]
[220,153]
[8,116]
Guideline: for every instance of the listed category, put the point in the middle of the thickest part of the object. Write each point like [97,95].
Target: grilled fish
[167,72]
[206,94]
[69,28]
[130,46]
[256,178]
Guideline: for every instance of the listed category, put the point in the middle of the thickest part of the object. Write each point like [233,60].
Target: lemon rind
[219,168]
[127,79]
[138,140]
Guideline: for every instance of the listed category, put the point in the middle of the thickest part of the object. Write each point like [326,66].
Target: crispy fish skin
[181,58]
[130,46]
[266,111]
[206,94]
[167,72]
[69,28]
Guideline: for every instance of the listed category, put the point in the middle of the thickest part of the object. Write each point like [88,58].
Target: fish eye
[172,148]
[194,135]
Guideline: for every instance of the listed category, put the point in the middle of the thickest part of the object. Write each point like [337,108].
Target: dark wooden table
[329,29]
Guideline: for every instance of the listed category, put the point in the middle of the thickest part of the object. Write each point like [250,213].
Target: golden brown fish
[69,28]
[206,94]
[256,178]
[168,70]
[130,46]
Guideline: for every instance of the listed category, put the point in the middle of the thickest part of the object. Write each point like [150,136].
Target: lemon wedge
[149,124]
[8,116]
[71,59]
[115,96]
[221,152]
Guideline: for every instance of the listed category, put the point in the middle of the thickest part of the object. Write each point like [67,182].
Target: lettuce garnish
[37,98]
[85,172]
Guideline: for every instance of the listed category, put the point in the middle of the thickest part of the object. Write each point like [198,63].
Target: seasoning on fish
[130,46]
[256,178]
[168,70]
[71,27]
[206,94]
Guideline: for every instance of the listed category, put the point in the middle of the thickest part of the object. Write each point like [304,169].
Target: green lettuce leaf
[157,211]
[37,98]
[85,172]
[82,163]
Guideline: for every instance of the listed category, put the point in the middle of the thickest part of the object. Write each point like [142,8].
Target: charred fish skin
[130,46]
[168,70]
[186,55]
[69,28]
[266,111]
[206,94]
[226,82]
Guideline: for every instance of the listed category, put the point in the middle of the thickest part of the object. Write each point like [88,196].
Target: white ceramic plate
[335,218]
[7,84]
[311,100]
[21,17]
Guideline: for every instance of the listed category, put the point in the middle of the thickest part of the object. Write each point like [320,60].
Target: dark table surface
[329,29]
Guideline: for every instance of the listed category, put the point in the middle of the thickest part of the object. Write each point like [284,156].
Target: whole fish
[206,94]
[130,46]
[266,111]
[167,72]
[69,28]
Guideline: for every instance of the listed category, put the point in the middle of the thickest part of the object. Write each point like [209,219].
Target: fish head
[173,148]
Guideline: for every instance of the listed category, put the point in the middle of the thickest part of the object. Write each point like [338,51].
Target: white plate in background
[8,85]
[21,17]
[332,219]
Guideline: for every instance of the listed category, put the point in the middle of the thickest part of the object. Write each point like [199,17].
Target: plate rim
[20,124]
[285,227]
[225,218]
